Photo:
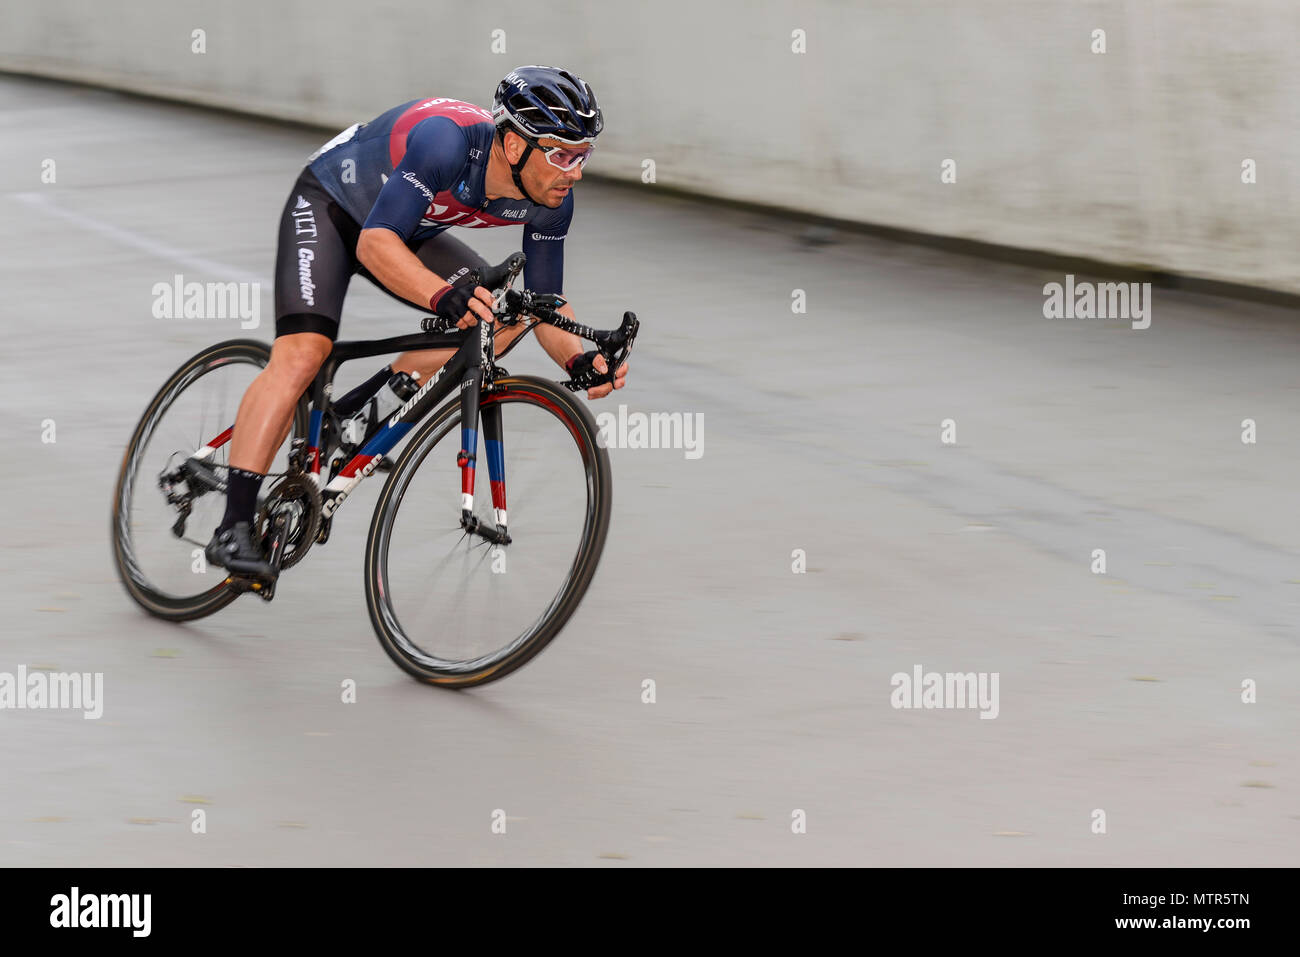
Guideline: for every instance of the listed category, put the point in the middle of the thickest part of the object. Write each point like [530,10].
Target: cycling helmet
[545,101]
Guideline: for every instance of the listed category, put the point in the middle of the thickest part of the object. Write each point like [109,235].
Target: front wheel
[454,609]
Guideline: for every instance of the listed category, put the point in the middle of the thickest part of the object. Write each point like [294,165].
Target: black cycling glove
[451,302]
[582,371]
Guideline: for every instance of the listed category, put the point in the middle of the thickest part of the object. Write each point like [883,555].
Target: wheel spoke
[157,566]
[473,619]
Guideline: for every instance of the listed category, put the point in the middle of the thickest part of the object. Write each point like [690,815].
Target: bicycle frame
[465,369]
[475,358]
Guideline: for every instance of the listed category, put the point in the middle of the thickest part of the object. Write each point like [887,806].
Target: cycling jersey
[420,168]
[316,258]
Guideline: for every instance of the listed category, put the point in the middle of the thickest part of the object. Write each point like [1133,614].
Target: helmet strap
[516,167]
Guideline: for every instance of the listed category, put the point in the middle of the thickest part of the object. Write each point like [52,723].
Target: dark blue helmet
[544,101]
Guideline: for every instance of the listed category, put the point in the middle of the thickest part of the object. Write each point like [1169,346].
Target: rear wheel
[453,609]
[170,494]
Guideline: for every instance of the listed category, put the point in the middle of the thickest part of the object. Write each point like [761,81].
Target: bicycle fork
[471,410]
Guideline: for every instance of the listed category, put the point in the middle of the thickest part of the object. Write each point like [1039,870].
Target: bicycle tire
[143,592]
[516,654]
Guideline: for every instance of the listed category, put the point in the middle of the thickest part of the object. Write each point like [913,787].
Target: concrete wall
[1132,156]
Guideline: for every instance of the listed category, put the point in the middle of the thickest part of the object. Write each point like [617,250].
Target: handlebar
[512,306]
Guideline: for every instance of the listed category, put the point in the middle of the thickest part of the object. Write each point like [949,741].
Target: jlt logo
[304,218]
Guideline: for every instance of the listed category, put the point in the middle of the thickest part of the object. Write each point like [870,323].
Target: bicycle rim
[166,574]
[454,610]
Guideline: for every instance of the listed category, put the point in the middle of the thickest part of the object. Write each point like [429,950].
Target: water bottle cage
[354,430]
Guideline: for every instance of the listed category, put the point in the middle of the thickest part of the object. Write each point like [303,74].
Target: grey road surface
[1120,697]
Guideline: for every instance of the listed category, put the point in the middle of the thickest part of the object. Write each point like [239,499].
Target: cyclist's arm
[562,346]
[559,345]
[435,153]
[386,255]
[543,244]
[544,272]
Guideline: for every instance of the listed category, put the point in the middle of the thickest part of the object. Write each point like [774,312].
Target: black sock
[354,400]
[241,497]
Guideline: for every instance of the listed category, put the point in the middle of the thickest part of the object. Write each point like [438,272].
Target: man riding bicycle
[378,200]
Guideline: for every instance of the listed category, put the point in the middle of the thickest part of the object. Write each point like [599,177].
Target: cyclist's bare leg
[264,419]
[428,361]
[266,412]
[420,365]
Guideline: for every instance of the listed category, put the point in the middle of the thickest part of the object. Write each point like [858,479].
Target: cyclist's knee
[296,358]
[423,364]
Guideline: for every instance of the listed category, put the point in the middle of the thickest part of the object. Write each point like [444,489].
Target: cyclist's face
[544,181]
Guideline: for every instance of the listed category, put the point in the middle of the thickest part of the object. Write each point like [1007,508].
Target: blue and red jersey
[419,169]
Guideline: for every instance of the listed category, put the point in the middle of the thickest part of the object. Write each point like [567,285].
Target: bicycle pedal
[263,589]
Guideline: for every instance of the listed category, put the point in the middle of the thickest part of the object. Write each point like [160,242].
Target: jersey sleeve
[544,246]
[436,151]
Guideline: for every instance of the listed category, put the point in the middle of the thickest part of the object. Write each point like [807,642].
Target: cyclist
[377,200]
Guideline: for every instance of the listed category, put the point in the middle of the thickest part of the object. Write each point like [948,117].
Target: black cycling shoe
[233,550]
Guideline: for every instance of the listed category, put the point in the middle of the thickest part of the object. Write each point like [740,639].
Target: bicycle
[298,510]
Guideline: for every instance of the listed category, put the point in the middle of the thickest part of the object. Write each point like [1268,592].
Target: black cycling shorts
[317,257]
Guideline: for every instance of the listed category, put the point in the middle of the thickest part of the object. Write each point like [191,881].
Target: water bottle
[390,397]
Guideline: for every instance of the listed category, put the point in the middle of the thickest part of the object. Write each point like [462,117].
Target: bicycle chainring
[297,496]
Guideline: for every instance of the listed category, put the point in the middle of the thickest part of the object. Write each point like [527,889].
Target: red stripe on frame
[356,465]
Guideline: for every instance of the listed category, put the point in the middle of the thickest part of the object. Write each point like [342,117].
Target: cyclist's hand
[466,305]
[594,360]
[480,307]
[620,378]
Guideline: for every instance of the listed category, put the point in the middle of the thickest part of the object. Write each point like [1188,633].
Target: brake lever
[624,336]
[512,268]
[627,335]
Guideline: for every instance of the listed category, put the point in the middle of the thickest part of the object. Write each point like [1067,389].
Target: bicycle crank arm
[266,590]
[275,554]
